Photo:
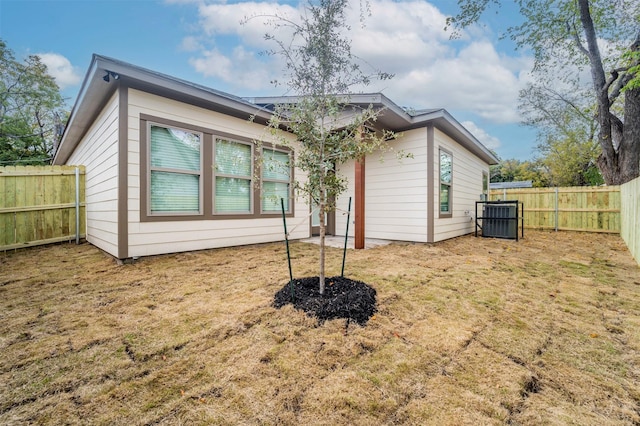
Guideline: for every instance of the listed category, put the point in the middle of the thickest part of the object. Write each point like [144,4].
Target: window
[188,172]
[485,187]
[276,180]
[233,169]
[175,170]
[446,181]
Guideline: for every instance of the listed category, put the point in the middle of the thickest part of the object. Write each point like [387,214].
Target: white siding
[395,191]
[98,151]
[149,238]
[466,189]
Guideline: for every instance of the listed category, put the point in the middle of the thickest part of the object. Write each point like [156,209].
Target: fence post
[77,205]
[556,222]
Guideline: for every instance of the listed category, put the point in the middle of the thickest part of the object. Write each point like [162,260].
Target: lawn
[468,331]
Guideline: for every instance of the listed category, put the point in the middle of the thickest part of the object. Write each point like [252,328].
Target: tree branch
[576,39]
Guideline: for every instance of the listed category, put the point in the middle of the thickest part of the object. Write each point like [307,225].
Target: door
[329,220]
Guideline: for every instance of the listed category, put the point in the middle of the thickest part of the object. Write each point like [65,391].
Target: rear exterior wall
[149,238]
[98,151]
[466,188]
[395,191]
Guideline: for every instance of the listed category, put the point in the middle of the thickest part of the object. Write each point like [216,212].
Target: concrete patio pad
[338,241]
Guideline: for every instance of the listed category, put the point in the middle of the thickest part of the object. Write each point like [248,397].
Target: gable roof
[398,119]
[97,89]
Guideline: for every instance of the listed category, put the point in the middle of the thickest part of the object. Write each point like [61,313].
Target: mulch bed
[342,298]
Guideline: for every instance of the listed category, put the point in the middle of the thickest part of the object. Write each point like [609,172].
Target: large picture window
[188,172]
[446,183]
[276,180]
[175,170]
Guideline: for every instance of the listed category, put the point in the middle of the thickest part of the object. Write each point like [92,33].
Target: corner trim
[430,183]
[123,172]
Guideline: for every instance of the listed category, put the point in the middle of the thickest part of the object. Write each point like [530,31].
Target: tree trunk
[607,161]
[629,150]
[323,228]
[620,142]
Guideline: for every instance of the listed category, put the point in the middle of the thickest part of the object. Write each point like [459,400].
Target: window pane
[271,194]
[232,158]
[232,195]
[444,198]
[445,167]
[174,192]
[174,149]
[275,165]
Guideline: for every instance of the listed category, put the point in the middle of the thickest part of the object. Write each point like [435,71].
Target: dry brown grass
[469,331]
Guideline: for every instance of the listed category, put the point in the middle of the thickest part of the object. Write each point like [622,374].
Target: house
[171,166]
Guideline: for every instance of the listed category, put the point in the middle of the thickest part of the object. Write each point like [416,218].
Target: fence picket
[589,209]
[38,205]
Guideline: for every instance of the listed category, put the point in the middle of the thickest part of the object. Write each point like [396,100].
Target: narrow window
[446,181]
[485,186]
[233,167]
[276,180]
[175,170]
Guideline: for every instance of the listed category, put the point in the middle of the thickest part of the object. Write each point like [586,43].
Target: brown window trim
[209,136]
[442,215]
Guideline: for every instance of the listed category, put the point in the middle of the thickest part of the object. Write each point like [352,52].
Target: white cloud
[487,140]
[476,79]
[191,44]
[406,38]
[242,68]
[61,69]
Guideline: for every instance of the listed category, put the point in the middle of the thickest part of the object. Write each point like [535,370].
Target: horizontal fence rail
[41,205]
[588,209]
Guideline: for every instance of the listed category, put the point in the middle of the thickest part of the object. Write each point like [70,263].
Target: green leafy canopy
[31,110]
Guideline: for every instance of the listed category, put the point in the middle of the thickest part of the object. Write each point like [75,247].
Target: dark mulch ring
[342,298]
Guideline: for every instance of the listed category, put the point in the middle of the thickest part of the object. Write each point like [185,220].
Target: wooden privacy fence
[588,208]
[630,206]
[41,205]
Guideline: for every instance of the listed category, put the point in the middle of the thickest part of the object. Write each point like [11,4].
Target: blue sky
[476,78]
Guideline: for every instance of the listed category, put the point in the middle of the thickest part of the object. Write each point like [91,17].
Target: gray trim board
[430,183]
[123,171]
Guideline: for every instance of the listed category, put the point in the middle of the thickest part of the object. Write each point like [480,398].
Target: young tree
[30,110]
[603,35]
[321,73]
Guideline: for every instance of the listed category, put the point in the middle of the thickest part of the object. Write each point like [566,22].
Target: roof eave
[95,92]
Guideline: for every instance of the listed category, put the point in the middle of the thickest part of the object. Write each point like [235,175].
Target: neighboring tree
[570,161]
[515,170]
[568,144]
[30,110]
[321,73]
[569,35]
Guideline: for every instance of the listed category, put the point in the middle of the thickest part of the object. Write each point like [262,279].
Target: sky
[476,77]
